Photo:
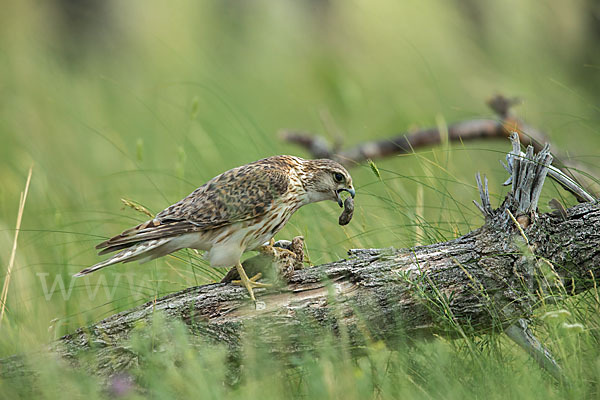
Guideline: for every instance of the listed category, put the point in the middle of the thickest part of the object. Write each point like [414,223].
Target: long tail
[145,251]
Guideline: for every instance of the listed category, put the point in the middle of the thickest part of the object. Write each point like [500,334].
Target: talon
[253,284]
[256,277]
[283,251]
[249,283]
[254,281]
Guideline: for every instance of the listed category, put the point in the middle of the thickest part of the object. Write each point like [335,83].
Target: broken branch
[573,176]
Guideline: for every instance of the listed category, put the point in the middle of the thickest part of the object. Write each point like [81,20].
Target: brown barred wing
[237,195]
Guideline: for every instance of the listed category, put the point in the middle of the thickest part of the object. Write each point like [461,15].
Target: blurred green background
[147,100]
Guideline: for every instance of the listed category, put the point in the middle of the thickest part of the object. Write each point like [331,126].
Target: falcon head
[325,180]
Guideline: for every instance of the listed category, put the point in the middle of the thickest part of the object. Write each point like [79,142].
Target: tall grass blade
[13,253]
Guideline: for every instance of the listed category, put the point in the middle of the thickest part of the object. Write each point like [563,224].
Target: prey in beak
[339,198]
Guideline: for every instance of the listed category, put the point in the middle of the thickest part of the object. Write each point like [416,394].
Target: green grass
[162,97]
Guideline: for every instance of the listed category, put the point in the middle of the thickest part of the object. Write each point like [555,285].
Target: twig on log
[527,181]
[559,176]
[568,174]
[485,207]
[478,283]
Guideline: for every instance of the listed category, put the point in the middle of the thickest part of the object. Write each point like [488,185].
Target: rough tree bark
[489,279]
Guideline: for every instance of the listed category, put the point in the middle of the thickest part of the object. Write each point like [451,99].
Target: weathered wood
[519,332]
[486,280]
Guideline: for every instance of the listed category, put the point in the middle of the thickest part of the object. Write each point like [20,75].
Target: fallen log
[490,279]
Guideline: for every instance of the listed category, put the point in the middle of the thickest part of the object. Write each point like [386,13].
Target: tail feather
[115,248]
[145,250]
[148,231]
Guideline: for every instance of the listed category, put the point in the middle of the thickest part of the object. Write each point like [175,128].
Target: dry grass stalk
[137,207]
[419,216]
[13,253]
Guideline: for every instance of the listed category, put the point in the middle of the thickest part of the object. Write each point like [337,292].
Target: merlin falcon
[234,212]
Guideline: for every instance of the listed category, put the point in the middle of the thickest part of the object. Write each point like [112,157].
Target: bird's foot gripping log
[275,262]
[249,283]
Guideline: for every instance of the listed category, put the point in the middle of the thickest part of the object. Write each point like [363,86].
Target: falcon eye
[338,177]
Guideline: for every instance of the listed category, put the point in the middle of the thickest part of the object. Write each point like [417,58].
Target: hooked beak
[339,198]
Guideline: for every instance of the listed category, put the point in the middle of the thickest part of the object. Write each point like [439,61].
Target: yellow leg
[249,283]
[253,280]
[256,277]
